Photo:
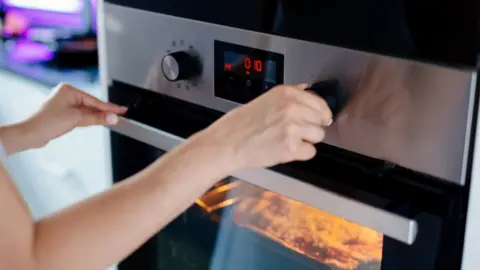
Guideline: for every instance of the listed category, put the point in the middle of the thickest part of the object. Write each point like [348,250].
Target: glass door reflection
[236,225]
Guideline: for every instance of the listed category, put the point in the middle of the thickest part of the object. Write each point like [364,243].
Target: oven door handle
[390,224]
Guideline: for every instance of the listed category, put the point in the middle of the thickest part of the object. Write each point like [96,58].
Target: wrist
[11,137]
[16,138]
[220,153]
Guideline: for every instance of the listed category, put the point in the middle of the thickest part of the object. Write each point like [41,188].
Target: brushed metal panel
[412,114]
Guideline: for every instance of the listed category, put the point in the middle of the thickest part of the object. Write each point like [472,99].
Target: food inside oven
[330,242]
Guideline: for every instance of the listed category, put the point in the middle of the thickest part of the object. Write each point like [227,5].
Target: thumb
[99,119]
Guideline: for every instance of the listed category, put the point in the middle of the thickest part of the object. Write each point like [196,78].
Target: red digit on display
[258,66]
[248,63]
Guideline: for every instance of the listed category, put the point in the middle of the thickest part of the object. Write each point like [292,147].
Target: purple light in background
[94,15]
[28,52]
[63,6]
[38,17]
[46,13]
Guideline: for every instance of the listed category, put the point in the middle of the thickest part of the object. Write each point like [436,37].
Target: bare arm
[16,227]
[16,138]
[106,228]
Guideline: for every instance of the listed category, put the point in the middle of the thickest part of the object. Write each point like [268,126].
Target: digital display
[250,67]
[243,73]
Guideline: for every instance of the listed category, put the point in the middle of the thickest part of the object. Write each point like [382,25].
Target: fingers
[312,134]
[306,151]
[96,118]
[302,86]
[318,104]
[84,100]
[94,103]
[311,107]
[303,117]
[299,140]
[308,115]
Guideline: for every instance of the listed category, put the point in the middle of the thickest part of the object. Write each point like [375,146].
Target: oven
[390,186]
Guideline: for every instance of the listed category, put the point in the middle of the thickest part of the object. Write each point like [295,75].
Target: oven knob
[180,66]
[333,93]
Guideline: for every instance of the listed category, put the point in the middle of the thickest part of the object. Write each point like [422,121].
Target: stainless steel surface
[471,258]
[170,68]
[392,225]
[408,113]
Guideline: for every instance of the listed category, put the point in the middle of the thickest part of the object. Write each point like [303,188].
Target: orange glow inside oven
[311,232]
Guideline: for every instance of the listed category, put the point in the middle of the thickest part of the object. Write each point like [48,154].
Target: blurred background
[44,42]
[50,40]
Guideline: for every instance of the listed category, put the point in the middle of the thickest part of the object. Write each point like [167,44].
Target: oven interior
[281,230]
[237,225]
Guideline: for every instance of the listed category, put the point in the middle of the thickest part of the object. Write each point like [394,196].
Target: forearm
[105,229]
[16,137]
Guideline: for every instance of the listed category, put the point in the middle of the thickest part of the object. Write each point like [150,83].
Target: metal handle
[391,225]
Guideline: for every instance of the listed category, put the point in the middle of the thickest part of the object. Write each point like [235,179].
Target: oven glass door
[237,225]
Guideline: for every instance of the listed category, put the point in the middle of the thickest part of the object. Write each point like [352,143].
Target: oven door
[338,211]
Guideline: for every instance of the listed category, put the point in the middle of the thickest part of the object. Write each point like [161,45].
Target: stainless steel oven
[390,187]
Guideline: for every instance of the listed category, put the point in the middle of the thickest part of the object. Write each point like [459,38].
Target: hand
[279,127]
[69,108]
[66,109]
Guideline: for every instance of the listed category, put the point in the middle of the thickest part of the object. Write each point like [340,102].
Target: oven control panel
[180,65]
[243,73]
